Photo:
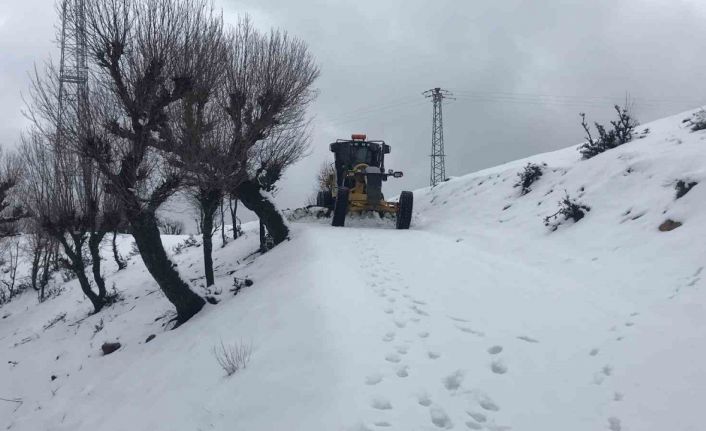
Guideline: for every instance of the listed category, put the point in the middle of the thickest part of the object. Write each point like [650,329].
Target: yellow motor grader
[356,185]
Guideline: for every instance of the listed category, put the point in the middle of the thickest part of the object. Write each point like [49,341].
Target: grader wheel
[340,208]
[404,210]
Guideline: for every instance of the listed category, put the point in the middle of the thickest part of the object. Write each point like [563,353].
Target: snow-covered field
[479,317]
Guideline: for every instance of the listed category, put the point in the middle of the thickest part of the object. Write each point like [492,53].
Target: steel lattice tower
[73,70]
[438,168]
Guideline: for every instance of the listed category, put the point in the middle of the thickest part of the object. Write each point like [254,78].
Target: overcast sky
[521,71]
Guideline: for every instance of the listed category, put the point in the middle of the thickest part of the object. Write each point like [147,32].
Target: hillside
[479,317]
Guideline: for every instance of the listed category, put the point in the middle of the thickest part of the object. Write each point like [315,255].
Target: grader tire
[404,210]
[340,208]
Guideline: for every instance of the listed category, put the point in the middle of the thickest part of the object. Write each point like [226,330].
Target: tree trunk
[77,266]
[94,242]
[46,271]
[262,237]
[36,258]
[223,226]
[118,260]
[209,205]
[149,242]
[249,193]
[233,210]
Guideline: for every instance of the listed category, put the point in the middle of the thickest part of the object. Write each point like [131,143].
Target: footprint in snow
[424,400]
[418,310]
[478,417]
[388,337]
[419,302]
[498,367]
[593,352]
[423,334]
[440,418]
[382,424]
[393,357]
[471,331]
[495,350]
[433,355]
[458,319]
[388,310]
[614,424]
[487,403]
[402,350]
[601,375]
[400,323]
[402,371]
[527,339]
[473,425]
[381,404]
[373,379]
[453,381]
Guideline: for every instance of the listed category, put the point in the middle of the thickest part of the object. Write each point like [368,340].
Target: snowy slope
[479,317]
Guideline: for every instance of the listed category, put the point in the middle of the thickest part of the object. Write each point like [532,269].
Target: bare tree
[38,246]
[324,175]
[233,210]
[206,200]
[264,81]
[148,55]
[66,188]
[11,257]
[268,88]
[11,212]
[55,192]
[284,147]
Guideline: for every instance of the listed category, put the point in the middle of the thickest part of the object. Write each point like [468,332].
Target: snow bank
[479,317]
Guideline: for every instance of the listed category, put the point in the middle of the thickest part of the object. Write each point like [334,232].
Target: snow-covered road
[431,331]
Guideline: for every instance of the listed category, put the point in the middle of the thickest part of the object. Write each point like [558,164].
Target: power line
[374,113]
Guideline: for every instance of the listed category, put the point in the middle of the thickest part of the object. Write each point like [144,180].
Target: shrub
[232,357]
[698,121]
[620,134]
[528,176]
[683,187]
[187,243]
[570,209]
[171,227]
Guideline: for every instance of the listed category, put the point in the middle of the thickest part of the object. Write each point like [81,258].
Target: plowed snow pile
[479,317]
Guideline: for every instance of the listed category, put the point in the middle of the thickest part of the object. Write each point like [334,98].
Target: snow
[479,317]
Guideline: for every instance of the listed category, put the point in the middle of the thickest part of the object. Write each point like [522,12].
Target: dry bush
[232,357]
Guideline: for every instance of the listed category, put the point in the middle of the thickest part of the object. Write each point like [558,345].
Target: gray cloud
[521,70]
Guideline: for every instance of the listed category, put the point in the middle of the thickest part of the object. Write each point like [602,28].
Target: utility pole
[73,71]
[438,168]
[72,118]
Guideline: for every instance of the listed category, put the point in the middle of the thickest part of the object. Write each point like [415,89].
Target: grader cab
[356,185]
